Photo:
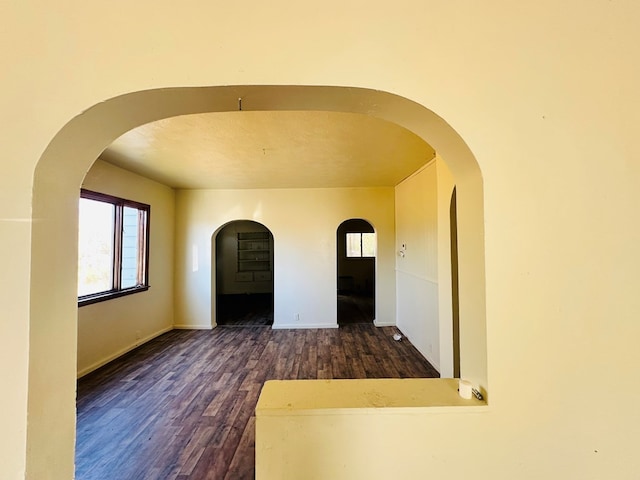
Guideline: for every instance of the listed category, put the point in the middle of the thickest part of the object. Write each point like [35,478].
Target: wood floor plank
[182,406]
[239,467]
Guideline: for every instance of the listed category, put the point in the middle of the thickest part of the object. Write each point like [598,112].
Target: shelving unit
[254,256]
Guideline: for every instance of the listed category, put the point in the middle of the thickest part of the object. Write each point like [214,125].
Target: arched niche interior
[356,271]
[57,180]
[244,270]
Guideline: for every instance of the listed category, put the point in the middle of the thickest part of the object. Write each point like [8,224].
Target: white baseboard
[121,352]
[379,323]
[284,326]
[428,357]
[432,361]
[193,327]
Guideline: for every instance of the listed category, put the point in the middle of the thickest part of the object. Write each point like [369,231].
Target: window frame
[116,262]
[361,256]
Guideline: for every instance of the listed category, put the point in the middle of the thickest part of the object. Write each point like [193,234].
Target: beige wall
[417,266]
[544,95]
[445,309]
[303,223]
[423,271]
[329,428]
[109,329]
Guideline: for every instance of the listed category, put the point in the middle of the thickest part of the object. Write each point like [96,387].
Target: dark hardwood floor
[355,309]
[182,405]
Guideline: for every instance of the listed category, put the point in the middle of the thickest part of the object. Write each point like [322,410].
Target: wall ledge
[364,396]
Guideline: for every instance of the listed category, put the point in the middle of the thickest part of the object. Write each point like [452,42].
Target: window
[361,245]
[113,247]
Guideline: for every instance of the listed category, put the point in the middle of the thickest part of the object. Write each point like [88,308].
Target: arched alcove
[242,257]
[57,180]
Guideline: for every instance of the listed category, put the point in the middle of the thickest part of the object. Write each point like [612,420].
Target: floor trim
[284,326]
[194,327]
[379,323]
[119,353]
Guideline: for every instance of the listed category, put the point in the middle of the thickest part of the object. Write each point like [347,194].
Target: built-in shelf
[254,256]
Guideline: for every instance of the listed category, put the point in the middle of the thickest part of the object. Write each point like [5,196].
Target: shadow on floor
[353,309]
[245,310]
[257,309]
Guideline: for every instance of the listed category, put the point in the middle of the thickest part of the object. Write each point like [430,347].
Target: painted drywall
[445,185]
[291,417]
[225,250]
[544,94]
[417,261]
[108,329]
[304,237]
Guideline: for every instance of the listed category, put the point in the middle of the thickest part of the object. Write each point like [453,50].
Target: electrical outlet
[297,317]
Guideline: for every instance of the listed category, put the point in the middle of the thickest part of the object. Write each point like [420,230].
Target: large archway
[53,304]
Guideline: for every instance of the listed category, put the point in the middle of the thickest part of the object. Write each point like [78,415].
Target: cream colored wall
[423,274]
[544,95]
[297,418]
[417,269]
[303,223]
[108,329]
[445,309]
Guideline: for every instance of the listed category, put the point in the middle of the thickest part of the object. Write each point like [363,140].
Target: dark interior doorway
[356,267]
[244,274]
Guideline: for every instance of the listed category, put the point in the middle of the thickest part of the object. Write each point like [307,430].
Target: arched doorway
[356,268]
[244,274]
[53,260]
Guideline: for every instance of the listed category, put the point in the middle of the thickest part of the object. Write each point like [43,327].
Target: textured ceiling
[248,149]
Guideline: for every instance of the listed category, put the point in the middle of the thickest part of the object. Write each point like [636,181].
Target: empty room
[514,267]
[241,233]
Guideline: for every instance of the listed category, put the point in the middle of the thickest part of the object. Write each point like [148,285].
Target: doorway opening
[356,269]
[244,274]
[67,158]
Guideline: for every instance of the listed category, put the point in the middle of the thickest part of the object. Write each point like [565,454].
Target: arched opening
[57,180]
[356,269]
[244,274]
